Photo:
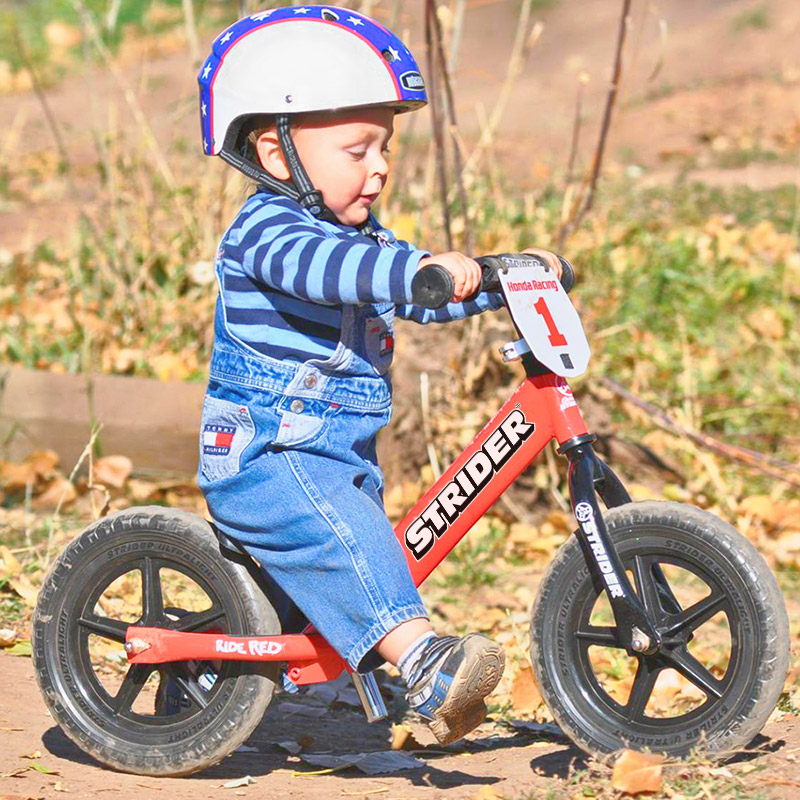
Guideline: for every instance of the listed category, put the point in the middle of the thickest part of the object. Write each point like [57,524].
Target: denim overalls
[288,469]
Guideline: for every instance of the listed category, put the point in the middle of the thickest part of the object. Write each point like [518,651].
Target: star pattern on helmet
[226,37]
[203,108]
[355,21]
[206,71]
[395,54]
[302,10]
[262,15]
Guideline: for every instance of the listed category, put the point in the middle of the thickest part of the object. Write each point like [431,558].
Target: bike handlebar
[433,285]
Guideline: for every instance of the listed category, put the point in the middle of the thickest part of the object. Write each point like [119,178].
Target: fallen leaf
[16,476]
[34,754]
[25,589]
[525,696]
[21,772]
[22,648]
[235,784]
[42,768]
[7,637]
[487,793]
[112,470]
[637,772]
[61,35]
[59,492]
[42,462]
[403,738]
[10,564]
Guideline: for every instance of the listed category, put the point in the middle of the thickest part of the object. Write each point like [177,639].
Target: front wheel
[725,638]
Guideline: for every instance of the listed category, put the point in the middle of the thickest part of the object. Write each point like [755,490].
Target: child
[302,100]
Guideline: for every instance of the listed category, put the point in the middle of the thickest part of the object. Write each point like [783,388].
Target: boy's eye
[357,154]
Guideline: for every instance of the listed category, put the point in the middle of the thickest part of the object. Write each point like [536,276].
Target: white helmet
[292,60]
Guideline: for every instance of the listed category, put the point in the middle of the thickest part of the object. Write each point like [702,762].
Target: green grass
[470,565]
[752,19]
[32,17]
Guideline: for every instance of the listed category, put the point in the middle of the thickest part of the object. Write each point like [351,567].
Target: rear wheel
[725,651]
[163,568]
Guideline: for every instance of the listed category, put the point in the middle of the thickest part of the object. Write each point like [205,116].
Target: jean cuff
[385,625]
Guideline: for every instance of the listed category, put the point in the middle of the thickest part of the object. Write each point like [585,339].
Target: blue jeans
[289,470]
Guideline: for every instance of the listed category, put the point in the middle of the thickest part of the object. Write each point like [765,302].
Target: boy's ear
[270,155]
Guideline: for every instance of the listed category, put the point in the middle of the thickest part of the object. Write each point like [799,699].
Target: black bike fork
[588,477]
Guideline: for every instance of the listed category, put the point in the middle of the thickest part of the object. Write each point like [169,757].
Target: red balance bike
[665,587]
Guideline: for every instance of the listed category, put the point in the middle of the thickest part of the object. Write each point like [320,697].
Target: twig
[455,37]
[453,129]
[566,204]
[585,202]
[127,92]
[37,88]
[426,425]
[769,465]
[523,43]
[436,117]
[191,31]
[87,451]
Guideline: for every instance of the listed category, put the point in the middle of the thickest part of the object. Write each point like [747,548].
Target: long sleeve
[278,244]
[483,301]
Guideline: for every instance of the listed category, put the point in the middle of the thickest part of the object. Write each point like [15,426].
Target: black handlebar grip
[432,287]
[567,275]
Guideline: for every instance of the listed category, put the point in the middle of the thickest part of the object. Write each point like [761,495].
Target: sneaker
[453,678]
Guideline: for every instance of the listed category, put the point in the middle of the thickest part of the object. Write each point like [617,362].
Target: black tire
[735,706]
[218,718]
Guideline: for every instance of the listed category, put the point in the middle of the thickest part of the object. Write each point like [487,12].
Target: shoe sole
[463,708]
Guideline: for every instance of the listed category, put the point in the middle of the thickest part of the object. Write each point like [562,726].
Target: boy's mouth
[369,198]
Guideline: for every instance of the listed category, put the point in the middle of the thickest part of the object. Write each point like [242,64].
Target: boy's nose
[380,165]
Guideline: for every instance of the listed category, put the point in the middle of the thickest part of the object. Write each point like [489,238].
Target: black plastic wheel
[670,551]
[166,719]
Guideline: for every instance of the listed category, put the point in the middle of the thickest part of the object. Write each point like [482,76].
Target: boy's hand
[550,258]
[466,272]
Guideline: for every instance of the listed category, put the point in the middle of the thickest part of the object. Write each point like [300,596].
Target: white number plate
[545,316]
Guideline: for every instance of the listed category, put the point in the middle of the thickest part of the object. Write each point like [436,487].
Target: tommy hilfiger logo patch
[217,439]
[387,344]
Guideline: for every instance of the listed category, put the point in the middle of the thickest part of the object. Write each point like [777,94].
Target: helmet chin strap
[308,197]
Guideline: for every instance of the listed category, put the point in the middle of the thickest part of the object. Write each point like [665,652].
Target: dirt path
[513,765]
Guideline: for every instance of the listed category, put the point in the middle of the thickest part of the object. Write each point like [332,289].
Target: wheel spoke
[691,669]
[667,599]
[646,586]
[199,620]
[132,684]
[106,627]
[641,690]
[694,616]
[605,636]
[189,686]
[152,599]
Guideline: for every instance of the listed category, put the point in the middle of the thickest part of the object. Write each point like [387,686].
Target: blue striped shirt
[285,276]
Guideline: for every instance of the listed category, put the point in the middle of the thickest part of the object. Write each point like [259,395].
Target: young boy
[302,100]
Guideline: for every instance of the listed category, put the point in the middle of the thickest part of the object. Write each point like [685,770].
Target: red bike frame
[540,410]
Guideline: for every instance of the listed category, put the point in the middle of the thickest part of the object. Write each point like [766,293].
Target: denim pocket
[379,340]
[226,430]
[295,429]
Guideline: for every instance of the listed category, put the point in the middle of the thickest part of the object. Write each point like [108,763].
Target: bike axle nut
[640,641]
[136,646]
